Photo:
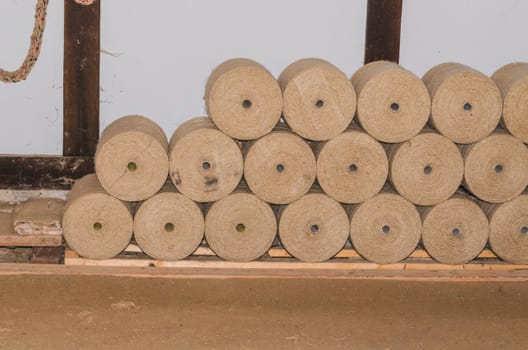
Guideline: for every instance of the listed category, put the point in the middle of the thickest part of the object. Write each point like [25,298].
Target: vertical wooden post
[382,39]
[81,77]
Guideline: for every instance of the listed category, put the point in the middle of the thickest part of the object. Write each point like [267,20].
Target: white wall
[165,50]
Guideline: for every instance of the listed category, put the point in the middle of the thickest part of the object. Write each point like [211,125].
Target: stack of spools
[351,159]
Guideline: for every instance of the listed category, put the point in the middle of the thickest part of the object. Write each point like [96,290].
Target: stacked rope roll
[326,174]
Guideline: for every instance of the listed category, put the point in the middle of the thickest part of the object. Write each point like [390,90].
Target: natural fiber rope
[35,45]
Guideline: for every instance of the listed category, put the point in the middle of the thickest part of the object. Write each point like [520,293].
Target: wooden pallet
[347,264]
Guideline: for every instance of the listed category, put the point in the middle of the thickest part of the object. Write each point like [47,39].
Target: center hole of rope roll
[206,165]
[132,166]
[97,226]
[247,104]
[499,168]
[395,107]
[352,168]
[319,104]
[280,168]
[314,228]
[169,227]
[240,227]
[455,231]
[524,230]
[385,228]
[468,107]
[428,169]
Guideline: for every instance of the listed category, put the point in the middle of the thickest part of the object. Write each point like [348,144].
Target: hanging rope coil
[35,45]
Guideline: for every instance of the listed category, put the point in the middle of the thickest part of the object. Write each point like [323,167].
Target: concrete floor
[102,312]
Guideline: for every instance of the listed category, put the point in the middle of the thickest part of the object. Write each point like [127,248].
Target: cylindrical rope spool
[280,167]
[351,167]
[393,104]
[313,228]
[131,160]
[205,164]
[466,104]
[455,231]
[240,227]
[243,99]
[496,168]
[426,170]
[168,226]
[95,224]
[512,81]
[386,228]
[508,237]
[319,99]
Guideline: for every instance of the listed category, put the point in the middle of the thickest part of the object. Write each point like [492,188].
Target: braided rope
[35,45]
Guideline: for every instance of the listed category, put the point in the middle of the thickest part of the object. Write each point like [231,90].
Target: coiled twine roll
[455,231]
[512,81]
[168,226]
[240,227]
[95,224]
[351,167]
[509,229]
[386,228]
[313,228]
[205,164]
[319,99]
[466,104]
[131,160]
[243,99]
[426,170]
[280,167]
[496,168]
[393,104]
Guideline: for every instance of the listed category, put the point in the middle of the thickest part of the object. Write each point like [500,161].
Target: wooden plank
[351,253]
[210,271]
[382,39]
[351,264]
[42,172]
[81,78]
[14,240]
[47,255]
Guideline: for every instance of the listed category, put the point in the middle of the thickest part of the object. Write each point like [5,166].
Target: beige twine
[465,104]
[393,104]
[205,164]
[35,45]
[508,236]
[240,227]
[315,90]
[243,99]
[96,225]
[496,168]
[386,228]
[455,231]
[351,167]
[168,226]
[314,228]
[426,170]
[280,167]
[131,160]
[512,81]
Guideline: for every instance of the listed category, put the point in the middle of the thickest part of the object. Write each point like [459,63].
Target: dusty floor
[65,312]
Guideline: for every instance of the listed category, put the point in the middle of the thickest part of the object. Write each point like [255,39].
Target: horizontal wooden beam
[42,172]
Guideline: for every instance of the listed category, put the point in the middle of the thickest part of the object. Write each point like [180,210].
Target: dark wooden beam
[382,39]
[81,77]
[42,172]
